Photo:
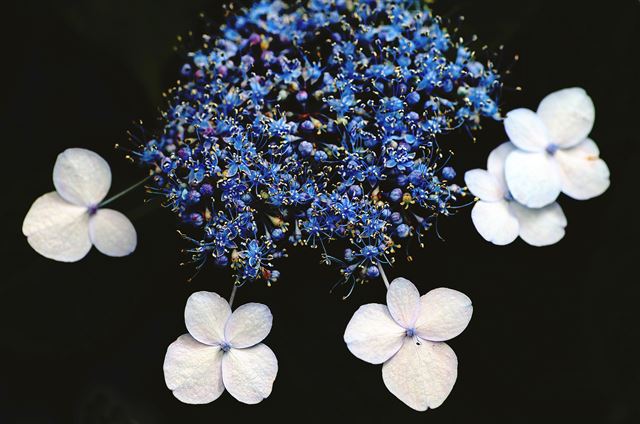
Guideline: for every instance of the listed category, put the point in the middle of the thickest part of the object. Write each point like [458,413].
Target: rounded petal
[484,185]
[205,316]
[584,175]
[372,335]
[533,178]
[540,227]
[403,301]
[422,373]
[248,374]
[496,160]
[248,325]
[193,371]
[444,313]
[494,222]
[112,233]
[526,130]
[81,177]
[56,229]
[568,115]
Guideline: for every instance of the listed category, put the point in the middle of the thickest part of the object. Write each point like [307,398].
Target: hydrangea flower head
[318,121]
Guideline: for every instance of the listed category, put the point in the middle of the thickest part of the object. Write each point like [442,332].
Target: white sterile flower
[498,218]
[64,224]
[222,350]
[554,153]
[407,336]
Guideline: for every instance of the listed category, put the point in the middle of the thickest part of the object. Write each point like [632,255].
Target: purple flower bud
[196,219]
[254,39]
[348,255]
[302,96]
[320,156]
[402,230]
[206,190]
[448,173]
[307,125]
[277,234]
[395,195]
[373,272]
[413,98]
[305,148]
[186,70]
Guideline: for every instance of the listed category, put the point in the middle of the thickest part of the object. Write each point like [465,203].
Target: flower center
[411,332]
[225,346]
[552,149]
[93,209]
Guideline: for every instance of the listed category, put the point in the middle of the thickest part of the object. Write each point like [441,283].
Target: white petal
[372,335]
[422,373]
[193,371]
[112,233]
[540,227]
[584,175]
[533,178]
[81,177]
[56,229]
[248,325]
[496,160]
[588,147]
[249,374]
[403,301]
[569,115]
[484,185]
[494,222]
[205,316]
[444,313]
[526,130]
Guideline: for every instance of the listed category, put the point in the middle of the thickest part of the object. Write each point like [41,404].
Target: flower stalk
[125,191]
[383,275]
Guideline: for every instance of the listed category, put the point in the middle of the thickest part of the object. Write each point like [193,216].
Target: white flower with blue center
[407,336]
[222,350]
[498,218]
[554,152]
[63,225]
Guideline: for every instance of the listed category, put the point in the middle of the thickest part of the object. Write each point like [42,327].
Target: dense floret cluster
[315,122]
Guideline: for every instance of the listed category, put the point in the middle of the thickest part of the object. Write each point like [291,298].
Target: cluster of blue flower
[303,124]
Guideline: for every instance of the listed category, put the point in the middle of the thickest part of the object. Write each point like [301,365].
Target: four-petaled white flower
[498,218]
[222,350]
[407,335]
[64,224]
[554,154]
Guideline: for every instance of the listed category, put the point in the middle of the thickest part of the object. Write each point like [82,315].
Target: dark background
[554,335]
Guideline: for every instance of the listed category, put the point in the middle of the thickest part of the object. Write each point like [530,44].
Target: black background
[554,335]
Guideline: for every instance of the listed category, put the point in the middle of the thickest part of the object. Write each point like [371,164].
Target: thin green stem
[382,274]
[125,191]
[233,295]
